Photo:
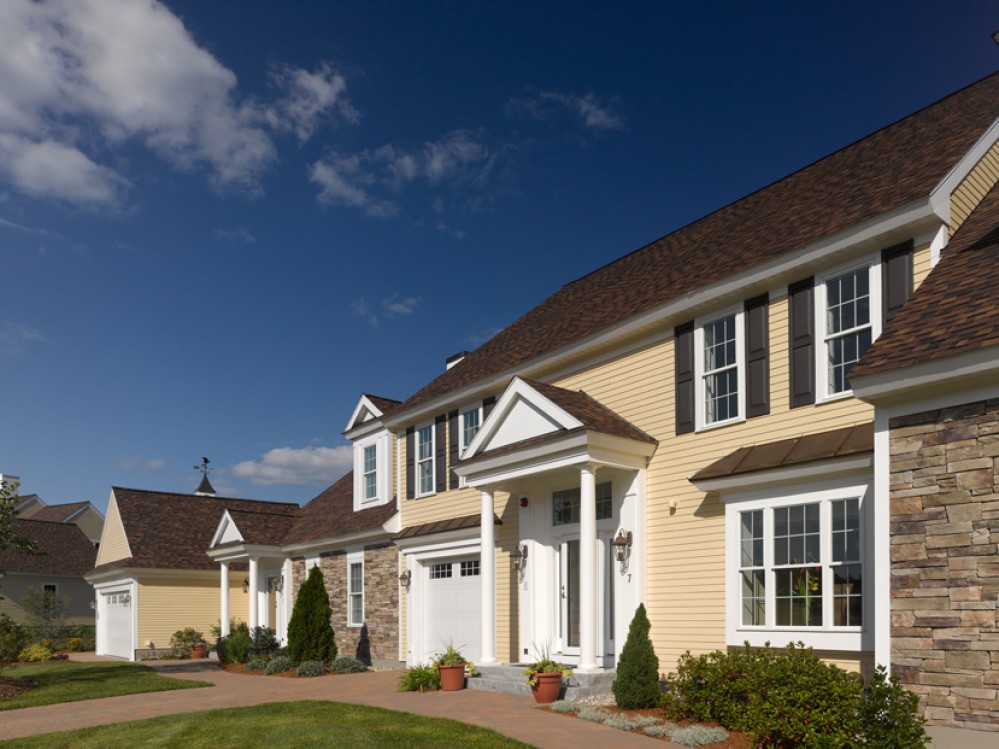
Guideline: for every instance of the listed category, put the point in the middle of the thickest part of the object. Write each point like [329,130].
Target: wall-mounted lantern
[519,557]
[622,545]
[405,578]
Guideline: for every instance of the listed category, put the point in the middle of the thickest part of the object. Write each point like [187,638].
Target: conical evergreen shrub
[310,635]
[637,684]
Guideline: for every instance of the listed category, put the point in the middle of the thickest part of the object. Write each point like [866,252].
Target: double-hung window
[355,589]
[425,459]
[720,370]
[849,319]
[370,460]
[372,476]
[796,565]
[471,420]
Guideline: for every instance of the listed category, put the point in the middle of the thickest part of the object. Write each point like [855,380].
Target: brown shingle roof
[58,513]
[332,514]
[593,414]
[386,405]
[63,549]
[890,168]
[838,443]
[172,531]
[956,309]
[266,528]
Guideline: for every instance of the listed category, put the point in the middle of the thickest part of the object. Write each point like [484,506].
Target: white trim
[222,531]
[827,637]
[700,405]
[365,415]
[355,557]
[477,408]
[822,337]
[118,585]
[941,194]
[875,233]
[388,527]
[977,366]
[938,243]
[383,474]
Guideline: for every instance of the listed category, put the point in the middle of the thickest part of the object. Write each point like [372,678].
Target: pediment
[227,532]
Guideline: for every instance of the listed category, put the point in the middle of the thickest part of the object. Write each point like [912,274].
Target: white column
[224,599]
[587,569]
[265,602]
[487,542]
[254,587]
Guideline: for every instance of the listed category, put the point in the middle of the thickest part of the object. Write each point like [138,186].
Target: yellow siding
[920,265]
[91,523]
[972,189]
[114,542]
[171,602]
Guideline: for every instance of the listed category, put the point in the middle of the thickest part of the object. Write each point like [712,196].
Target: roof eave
[906,382]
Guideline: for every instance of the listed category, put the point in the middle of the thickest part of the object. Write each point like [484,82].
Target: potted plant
[189,643]
[452,664]
[545,677]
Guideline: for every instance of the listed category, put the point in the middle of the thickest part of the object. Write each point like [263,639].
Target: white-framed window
[470,421]
[372,475]
[848,318]
[425,479]
[565,504]
[796,567]
[355,589]
[720,369]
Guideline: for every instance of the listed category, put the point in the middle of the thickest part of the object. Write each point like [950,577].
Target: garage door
[116,625]
[453,607]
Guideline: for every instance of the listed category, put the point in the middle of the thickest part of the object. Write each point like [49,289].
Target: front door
[569,596]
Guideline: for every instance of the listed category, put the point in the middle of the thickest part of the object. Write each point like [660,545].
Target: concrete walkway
[512,715]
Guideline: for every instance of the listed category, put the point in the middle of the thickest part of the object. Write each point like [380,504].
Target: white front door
[569,596]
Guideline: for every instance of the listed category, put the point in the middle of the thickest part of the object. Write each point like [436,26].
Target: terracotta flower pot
[548,687]
[452,678]
[199,651]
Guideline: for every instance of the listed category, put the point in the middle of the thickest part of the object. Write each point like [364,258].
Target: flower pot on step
[199,651]
[452,678]
[548,687]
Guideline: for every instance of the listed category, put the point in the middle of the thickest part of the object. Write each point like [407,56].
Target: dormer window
[370,472]
[372,480]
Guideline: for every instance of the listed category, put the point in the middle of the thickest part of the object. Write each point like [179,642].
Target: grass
[70,682]
[284,725]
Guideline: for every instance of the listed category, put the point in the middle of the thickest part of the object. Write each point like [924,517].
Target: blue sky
[221,222]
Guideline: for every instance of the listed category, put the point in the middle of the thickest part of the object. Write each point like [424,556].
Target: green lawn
[276,726]
[70,682]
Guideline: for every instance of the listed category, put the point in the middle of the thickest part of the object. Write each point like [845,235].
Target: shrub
[182,640]
[420,679]
[34,653]
[659,730]
[263,641]
[697,735]
[888,715]
[782,698]
[636,686]
[74,644]
[278,664]
[565,706]
[46,610]
[594,714]
[12,640]
[235,648]
[312,668]
[310,636]
[257,664]
[347,665]
[621,722]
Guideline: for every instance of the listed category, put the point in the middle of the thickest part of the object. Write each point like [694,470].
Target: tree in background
[13,637]
[310,634]
[47,611]
[10,538]
[637,683]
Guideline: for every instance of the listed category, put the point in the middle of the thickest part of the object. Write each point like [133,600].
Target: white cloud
[460,157]
[81,77]
[586,110]
[239,234]
[137,465]
[396,307]
[288,465]
[27,229]
[390,307]
[15,337]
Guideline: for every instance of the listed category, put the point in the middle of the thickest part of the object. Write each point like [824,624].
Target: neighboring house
[63,556]
[82,514]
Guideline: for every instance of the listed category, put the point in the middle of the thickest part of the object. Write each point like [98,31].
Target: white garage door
[116,625]
[453,607]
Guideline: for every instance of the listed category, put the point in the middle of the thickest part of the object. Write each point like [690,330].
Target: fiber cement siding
[169,603]
[972,189]
[114,542]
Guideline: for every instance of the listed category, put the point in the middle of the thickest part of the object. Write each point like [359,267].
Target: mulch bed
[240,668]
[735,739]
[11,687]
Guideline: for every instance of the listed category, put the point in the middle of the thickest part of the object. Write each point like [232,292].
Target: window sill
[719,424]
[834,397]
[847,639]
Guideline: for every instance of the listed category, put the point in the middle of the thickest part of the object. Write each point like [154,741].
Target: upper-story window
[849,318]
[370,472]
[471,420]
[720,370]
[372,476]
[425,459]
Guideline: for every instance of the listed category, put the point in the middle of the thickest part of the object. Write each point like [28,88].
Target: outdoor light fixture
[246,585]
[519,557]
[622,544]
[277,583]
[405,577]
[126,599]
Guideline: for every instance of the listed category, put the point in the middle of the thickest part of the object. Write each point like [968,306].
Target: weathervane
[203,467]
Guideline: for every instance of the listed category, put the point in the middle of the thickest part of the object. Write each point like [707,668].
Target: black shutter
[802,335]
[757,356]
[410,463]
[685,392]
[440,450]
[896,277]
[487,406]
[452,437]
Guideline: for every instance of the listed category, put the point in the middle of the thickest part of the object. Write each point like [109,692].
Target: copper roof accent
[442,526]
[386,405]
[173,531]
[956,309]
[263,528]
[332,514]
[837,443]
[885,170]
[58,513]
[63,549]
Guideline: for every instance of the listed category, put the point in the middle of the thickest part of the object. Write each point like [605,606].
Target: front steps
[511,679]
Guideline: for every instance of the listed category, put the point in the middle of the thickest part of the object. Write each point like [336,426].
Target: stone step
[511,679]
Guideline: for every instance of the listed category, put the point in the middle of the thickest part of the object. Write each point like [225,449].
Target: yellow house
[680,428]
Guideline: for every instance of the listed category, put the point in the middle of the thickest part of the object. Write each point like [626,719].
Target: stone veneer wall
[378,639]
[945,569]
